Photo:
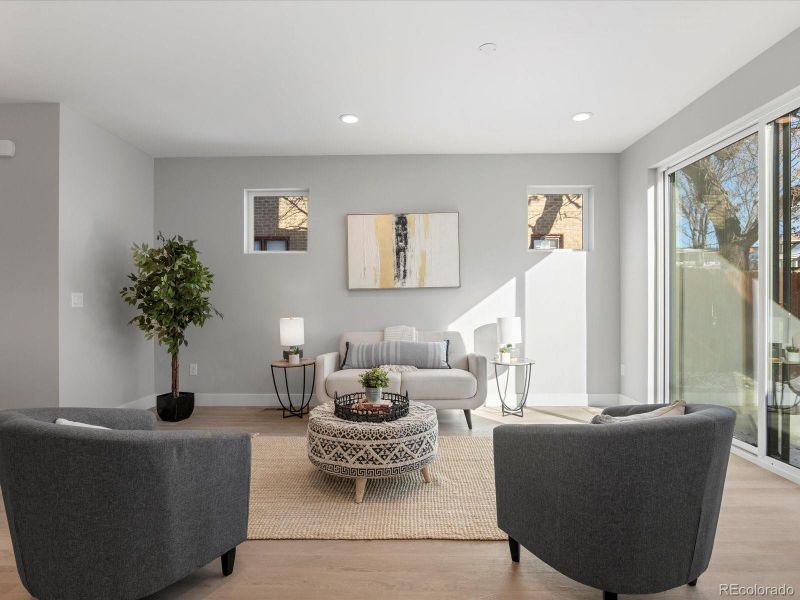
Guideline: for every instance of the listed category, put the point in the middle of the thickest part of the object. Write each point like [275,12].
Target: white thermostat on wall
[7,149]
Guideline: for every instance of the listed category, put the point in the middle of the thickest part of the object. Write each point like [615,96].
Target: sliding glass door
[713,245]
[783,422]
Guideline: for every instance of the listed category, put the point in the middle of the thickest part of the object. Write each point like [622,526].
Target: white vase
[374,395]
[294,359]
[505,357]
[793,357]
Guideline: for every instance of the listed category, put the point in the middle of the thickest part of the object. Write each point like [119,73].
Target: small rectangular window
[277,221]
[547,242]
[556,219]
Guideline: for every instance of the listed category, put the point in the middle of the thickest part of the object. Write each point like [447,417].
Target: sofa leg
[227,561]
[609,596]
[468,414]
[693,582]
[513,545]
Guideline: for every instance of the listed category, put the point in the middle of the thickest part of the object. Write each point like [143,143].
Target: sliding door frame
[666,268]
[759,121]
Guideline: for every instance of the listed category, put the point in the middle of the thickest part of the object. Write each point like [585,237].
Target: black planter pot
[175,409]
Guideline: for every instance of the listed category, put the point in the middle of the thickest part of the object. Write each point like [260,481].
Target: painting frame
[446,242]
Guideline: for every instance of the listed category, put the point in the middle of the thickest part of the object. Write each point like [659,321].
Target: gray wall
[570,301]
[106,203]
[29,257]
[765,78]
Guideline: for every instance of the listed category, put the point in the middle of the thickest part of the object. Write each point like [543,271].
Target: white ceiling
[271,78]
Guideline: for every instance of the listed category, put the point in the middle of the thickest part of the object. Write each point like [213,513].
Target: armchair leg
[513,545]
[609,596]
[227,561]
[468,414]
[693,582]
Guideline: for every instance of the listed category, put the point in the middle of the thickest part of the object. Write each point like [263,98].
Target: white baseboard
[266,400]
[540,399]
[574,399]
[145,402]
[604,400]
[623,399]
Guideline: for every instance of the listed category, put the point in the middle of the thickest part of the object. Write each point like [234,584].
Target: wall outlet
[622,370]
[77,299]
[193,369]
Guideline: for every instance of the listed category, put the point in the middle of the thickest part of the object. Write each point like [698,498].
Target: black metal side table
[305,401]
[527,363]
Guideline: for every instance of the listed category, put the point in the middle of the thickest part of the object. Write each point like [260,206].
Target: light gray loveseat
[118,513]
[626,507]
[463,386]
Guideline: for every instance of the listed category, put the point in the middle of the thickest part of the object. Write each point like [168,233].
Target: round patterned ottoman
[372,450]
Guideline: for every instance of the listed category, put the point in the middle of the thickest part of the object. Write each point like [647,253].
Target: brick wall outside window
[556,215]
[282,217]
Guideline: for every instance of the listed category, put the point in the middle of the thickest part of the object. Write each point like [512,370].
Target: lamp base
[286,354]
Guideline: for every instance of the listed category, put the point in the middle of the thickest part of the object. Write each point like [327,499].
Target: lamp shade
[292,331]
[509,330]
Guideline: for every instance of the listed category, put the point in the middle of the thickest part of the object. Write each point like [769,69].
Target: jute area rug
[291,499]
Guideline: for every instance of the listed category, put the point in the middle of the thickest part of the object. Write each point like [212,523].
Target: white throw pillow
[78,424]
[400,333]
[676,409]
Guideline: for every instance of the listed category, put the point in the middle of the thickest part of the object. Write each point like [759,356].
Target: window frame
[249,215]
[587,220]
[665,283]
[559,237]
[760,118]
[272,238]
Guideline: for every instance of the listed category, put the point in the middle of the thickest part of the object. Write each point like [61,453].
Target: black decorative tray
[354,407]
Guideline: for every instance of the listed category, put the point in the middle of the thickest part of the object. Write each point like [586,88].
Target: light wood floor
[758,542]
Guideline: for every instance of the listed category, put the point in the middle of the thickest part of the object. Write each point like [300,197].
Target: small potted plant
[505,354]
[294,355]
[374,381]
[792,354]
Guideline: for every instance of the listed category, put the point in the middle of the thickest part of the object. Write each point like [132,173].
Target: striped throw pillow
[423,355]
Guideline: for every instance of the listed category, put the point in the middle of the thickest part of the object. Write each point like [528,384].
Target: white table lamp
[292,334]
[509,330]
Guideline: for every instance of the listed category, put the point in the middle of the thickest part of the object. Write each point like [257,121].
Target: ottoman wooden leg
[426,474]
[361,485]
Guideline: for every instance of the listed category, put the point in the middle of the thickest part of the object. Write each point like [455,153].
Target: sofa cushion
[346,382]
[439,384]
[456,354]
[423,355]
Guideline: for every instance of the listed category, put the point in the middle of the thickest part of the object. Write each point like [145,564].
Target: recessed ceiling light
[488,47]
[582,116]
[348,118]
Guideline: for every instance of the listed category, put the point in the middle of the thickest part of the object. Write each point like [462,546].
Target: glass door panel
[713,282]
[783,422]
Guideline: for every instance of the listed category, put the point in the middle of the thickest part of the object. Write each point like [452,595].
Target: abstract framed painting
[403,250]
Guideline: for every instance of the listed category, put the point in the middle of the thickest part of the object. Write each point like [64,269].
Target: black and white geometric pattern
[372,450]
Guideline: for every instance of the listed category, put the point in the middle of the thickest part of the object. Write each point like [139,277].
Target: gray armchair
[118,513]
[626,508]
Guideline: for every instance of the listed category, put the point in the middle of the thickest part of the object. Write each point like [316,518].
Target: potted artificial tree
[170,290]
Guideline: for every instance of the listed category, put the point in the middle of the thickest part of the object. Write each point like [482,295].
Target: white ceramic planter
[374,395]
[294,359]
[505,357]
[793,357]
